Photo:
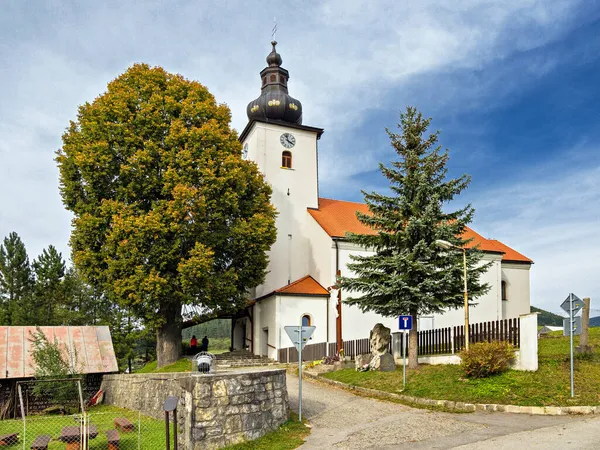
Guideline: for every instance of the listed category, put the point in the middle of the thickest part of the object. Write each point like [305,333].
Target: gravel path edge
[462,406]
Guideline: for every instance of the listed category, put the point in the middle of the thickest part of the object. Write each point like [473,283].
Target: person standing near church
[204,344]
[193,344]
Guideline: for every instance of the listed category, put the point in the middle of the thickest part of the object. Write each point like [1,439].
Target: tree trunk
[168,336]
[413,343]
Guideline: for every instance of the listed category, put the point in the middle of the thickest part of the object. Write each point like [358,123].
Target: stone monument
[381,360]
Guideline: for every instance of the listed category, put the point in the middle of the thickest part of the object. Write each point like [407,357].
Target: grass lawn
[152,431]
[289,436]
[549,386]
[183,365]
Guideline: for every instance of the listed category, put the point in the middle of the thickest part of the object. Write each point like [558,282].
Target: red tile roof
[338,217]
[304,286]
[92,345]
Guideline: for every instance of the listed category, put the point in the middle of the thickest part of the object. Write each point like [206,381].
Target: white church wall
[265,328]
[516,277]
[293,307]
[319,256]
[294,190]
[355,323]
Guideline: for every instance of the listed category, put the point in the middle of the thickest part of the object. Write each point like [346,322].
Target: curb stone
[461,406]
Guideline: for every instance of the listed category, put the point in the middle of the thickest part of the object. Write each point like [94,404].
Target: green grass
[289,436]
[152,431]
[183,365]
[549,386]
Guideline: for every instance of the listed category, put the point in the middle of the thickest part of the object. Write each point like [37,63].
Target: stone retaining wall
[214,410]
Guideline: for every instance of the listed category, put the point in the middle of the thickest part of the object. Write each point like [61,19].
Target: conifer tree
[15,281]
[49,269]
[408,273]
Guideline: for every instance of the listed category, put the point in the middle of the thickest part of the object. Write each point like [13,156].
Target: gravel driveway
[342,420]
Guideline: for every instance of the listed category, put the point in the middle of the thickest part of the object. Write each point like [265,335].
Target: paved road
[342,420]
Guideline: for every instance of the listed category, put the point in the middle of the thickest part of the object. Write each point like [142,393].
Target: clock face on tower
[245,152]
[287,140]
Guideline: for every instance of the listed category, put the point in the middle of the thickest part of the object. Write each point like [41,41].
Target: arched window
[273,77]
[286,159]
[504,290]
[264,80]
[281,79]
[306,322]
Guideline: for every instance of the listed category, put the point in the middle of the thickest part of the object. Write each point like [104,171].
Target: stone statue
[382,360]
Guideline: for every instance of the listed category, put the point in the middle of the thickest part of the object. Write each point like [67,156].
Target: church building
[311,247]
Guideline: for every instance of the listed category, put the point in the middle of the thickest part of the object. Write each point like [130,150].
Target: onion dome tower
[274,102]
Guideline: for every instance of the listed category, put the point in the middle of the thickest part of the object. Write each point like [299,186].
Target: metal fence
[70,425]
[430,342]
[102,428]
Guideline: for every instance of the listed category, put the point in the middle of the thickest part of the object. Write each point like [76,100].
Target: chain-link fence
[95,428]
[101,428]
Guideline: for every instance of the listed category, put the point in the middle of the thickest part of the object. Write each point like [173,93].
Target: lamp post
[448,246]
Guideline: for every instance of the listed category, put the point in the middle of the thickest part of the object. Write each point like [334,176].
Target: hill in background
[548,318]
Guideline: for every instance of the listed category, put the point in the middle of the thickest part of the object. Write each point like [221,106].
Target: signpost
[405,324]
[299,335]
[572,305]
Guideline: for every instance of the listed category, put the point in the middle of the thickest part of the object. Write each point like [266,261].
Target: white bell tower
[286,154]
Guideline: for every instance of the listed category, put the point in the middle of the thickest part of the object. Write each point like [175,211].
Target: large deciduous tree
[166,212]
[408,273]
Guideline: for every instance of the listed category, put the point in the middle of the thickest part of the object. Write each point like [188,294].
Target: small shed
[92,345]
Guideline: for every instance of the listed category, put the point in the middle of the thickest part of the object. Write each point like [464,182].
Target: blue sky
[514,87]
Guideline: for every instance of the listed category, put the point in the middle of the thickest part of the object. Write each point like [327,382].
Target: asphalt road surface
[342,420]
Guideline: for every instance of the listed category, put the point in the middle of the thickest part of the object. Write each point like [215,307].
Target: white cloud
[345,58]
[552,218]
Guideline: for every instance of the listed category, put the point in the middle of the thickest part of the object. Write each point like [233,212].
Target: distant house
[548,328]
[92,346]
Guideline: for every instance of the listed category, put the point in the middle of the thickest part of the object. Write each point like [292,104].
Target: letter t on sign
[405,322]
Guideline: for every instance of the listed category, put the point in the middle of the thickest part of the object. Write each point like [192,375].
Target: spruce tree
[49,269]
[15,281]
[408,273]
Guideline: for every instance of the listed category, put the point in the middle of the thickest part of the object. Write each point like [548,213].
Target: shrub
[487,358]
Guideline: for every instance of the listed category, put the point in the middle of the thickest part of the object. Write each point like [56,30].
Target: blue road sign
[405,322]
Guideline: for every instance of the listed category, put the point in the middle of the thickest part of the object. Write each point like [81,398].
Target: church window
[264,80]
[306,321]
[286,159]
[282,79]
[504,290]
[273,77]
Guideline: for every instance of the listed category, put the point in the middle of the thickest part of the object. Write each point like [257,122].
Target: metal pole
[167,430]
[175,429]
[404,358]
[571,335]
[300,375]
[466,294]
[22,414]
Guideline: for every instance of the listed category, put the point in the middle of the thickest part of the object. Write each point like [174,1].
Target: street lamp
[449,246]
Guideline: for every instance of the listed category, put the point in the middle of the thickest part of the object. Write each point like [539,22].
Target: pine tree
[15,282]
[408,273]
[49,269]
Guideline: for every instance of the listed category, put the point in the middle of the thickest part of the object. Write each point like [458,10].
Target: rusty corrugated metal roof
[92,345]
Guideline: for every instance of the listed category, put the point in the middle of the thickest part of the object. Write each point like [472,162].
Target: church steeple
[274,102]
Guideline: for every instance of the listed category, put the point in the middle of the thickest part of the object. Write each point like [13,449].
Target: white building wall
[357,325]
[265,318]
[319,255]
[294,190]
[517,289]
[293,307]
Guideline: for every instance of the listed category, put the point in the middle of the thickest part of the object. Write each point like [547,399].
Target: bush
[487,358]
